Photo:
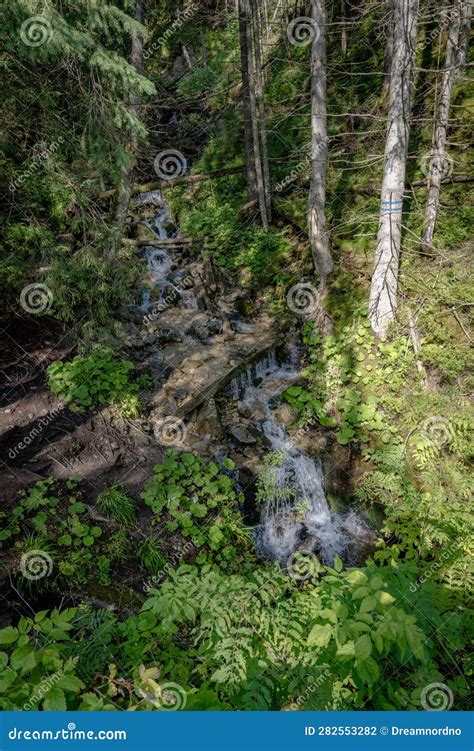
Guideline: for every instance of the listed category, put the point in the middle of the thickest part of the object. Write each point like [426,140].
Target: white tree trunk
[456,47]
[388,59]
[317,225]
[383,291]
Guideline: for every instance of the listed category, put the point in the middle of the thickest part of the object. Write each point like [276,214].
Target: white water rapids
[160,265]
[296,516]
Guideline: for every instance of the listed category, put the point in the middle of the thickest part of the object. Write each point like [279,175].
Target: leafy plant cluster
[197,499]
[59,526]
[359,638]
[416,449]
[56,160]
[95,379]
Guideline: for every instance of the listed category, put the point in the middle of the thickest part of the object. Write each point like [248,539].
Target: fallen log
[168,242]
[183,180]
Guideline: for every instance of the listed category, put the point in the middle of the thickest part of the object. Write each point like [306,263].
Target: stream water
[296,516]
[163,284]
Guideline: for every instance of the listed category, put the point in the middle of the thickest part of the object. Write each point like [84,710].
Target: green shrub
[198,501]
[98,378]
[114,503]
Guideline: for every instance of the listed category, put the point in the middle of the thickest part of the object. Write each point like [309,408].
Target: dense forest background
[316,159]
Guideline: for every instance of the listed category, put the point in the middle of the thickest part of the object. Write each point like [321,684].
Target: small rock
[244,409]
[156,361]
[214,326]
[180,394]
[284,414]
[227,331]
[241,434]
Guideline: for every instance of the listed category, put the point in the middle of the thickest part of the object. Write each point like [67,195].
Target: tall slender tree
[254,112]
[128,169]
[389,35]
[317,224]
[456,48]
[261,119]
[384,286]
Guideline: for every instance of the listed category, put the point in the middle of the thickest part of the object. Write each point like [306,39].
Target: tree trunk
[455,55]
[343,28]
[128,170]
[261,122]
[466,17]
[388,59]
[383,291]
[317,226]
[247,109]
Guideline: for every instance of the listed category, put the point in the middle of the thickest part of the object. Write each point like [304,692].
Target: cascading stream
[297,515]
[160,265]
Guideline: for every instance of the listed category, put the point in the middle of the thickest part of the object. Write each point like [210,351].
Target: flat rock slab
[202,371]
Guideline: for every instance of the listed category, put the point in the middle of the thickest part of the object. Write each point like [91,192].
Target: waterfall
[160,264]
[297,515]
